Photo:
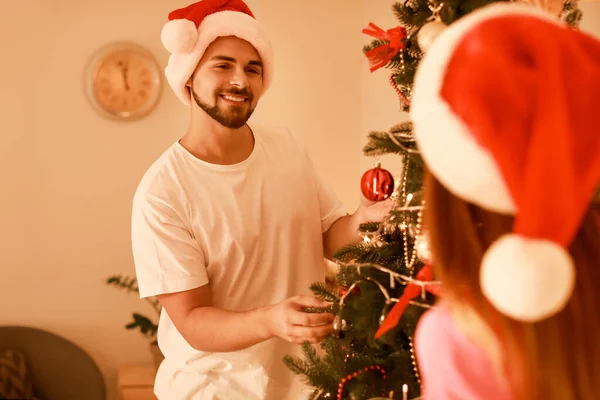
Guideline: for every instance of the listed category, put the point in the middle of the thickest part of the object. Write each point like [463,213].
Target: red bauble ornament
[377,184]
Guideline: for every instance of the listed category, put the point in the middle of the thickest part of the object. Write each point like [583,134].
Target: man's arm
[211,329]
[344,231]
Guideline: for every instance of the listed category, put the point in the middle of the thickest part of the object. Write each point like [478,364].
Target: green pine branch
[298,366]
[351,251]
[411,14]
[380,143]
[573,17]
[404,128]
[324,291]
[310,366]
[389,253]
[368,227]
[400,141]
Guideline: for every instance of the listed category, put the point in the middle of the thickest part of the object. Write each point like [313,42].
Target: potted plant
[144,324]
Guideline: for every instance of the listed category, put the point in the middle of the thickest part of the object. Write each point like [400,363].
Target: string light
[402,279]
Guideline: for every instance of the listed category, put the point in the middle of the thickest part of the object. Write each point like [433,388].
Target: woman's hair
[555,359]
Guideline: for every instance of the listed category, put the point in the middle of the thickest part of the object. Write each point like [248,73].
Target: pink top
[451,366]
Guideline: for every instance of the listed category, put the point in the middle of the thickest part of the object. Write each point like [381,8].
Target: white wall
[67,175]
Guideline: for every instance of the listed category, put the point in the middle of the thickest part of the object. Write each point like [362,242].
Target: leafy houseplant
[145,325]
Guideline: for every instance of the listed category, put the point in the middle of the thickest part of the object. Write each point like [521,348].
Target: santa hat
[505,112]
[192,29]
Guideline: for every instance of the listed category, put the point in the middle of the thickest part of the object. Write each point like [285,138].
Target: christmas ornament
[339,325]
[413,358]
[353,375]
[430,31]
[377,184]
[422,246]
[380,56]
[411,291]
[404,101]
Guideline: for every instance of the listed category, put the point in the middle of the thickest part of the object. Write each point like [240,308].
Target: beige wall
[67,175]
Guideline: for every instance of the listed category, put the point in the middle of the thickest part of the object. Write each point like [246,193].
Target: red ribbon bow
[411,291]
[381,55]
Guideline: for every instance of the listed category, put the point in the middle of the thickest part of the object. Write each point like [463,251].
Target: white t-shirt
[254,231]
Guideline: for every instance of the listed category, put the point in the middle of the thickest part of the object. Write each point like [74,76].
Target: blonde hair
[555,359]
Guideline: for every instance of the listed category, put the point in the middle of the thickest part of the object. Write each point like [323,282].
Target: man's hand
[212,329]
[374,211]
[288,321]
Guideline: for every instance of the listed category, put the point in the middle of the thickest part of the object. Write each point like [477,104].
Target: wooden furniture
[136,382]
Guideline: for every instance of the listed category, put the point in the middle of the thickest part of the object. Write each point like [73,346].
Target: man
[231,224]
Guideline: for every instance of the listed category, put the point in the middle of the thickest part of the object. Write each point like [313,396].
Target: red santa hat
[192,29]
[505,112]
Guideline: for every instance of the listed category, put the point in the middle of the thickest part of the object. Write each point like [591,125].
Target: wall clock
[123,81]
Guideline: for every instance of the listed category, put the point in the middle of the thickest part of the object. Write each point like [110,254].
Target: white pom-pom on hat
[527,279]
[179,36]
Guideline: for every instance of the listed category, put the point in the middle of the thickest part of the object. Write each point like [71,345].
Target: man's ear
[188,86]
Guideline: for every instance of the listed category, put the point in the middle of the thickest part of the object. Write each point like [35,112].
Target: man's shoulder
[160,178]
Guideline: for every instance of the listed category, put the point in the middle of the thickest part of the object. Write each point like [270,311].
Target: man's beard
[234,118]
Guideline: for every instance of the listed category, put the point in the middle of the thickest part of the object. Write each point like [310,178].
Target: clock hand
[125,80]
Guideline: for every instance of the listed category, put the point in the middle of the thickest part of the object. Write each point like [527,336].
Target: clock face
[124,81]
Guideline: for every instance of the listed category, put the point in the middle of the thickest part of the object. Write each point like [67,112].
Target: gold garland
[414,361]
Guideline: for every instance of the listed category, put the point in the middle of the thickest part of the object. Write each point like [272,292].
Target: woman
[505,114]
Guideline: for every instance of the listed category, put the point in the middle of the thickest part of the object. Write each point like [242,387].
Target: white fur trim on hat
[527,279]
[445,143]
[181,66]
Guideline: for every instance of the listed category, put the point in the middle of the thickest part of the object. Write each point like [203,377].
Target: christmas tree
[385,283]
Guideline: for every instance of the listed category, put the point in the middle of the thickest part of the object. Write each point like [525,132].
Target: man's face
[228,81]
